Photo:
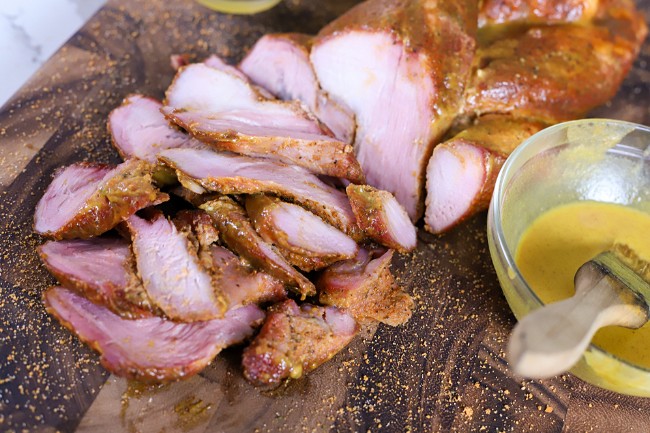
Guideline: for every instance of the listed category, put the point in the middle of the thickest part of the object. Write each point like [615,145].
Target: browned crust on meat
[124,194]
[260,208]
[239,235]
[331,158]
[244,185]
[557,73]
[495,136]
[368,206]
[377,298]
[129,302]
[290,344]
[426,28]
[145,375]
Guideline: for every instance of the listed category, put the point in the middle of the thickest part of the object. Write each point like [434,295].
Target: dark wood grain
[443,371]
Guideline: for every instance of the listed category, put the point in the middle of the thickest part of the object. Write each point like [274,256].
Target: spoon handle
[550,340]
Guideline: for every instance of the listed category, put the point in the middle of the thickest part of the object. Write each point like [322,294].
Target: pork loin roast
[401,66]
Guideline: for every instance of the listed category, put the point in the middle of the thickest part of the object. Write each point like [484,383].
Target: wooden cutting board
[443,371]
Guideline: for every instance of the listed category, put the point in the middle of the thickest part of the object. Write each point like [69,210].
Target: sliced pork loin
[463,170]
[241,284]
[86,200]
[317,153]
[218,93]
[139,130]
[199,228]
[365,287]
[402,68]
[304,239]
[295,340]
[223,110]
[218,63]
[233,174]
[102,270]
[557,73]
[152,349]
[280,63]
[382,218]
[238,234]
[171,272]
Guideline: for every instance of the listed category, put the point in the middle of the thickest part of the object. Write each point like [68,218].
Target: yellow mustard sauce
[559,241]
[239,6]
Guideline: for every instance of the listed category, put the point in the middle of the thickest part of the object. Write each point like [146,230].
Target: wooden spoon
[611,289]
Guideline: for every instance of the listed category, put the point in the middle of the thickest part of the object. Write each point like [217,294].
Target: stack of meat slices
[265,235]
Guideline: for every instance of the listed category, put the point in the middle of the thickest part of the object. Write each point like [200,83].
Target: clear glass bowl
[239,6]
[593,159]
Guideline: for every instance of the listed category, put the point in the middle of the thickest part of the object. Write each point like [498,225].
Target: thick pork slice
[152,349]
[280,63]
[304,239]
[102,270]
[172,273]
[139,130]
[86,200]
[295,340]
[365,287]
[232,174]
[382,218]
[239,235]
[317,153]
[218,63]
[242,284]
[223,110]
[402,67]
[463,170]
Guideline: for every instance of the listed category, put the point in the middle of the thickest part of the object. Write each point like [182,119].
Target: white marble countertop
[31,31]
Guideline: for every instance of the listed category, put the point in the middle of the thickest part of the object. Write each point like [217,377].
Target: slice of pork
[204,89]
[153,349]
[172,273]
[239,283]
[139,130]
[463,170]
[233,174]
[402,68]
[86,200]
[280,63]
[382,218]
[304,239]
[242,284]
[295,340]
[244,133]
[102,270]
[218,63]
[199,228]
[365,287]
[239,235]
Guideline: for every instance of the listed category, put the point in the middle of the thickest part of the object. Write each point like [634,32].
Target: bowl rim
[510,166]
